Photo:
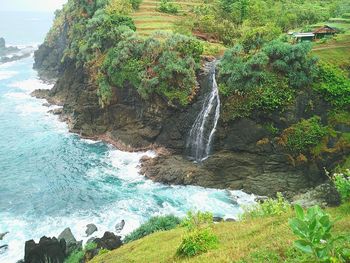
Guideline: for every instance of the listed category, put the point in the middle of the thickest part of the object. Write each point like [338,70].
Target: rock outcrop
[245,153]
[48,250]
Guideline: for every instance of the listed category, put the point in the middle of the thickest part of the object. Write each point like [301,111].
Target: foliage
[155,224]
[334,85]
[342,183]
[197,242]
[270,207]
[199,237]
[166,6]
[314,231]
[152,66]
[77,255]
[302,136]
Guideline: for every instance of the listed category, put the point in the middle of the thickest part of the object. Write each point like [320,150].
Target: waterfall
[204,127]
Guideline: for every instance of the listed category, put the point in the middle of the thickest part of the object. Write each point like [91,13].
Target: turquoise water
[51,179]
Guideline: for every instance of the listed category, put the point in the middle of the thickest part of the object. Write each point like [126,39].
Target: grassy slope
[335,51]
[148,20]
[259,240]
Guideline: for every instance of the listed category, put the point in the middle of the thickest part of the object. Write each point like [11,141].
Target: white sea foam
[30,85]
[7,74]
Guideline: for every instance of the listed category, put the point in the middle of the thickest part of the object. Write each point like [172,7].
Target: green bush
[334,85]
[302,136]
[166,6]
[270,207]
[199,236]
[77,255]
[313,229]
[342,183]
[196,242]
[135,4]
[155,224]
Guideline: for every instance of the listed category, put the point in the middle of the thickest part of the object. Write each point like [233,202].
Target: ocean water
[51,179]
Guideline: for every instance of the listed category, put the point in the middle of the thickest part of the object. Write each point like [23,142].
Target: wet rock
[71,243]
[119,227]
[58,111]
[230,220]
[109,241]
[90,229]
[260,199]
[217,219]
[2,235]
[3,249]
[323,195]
[46,251]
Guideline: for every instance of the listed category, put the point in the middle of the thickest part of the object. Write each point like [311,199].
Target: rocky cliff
[246,155]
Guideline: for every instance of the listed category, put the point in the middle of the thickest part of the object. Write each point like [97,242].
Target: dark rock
[217,219]
[20,261]
[2,235]
[109,241]
[119,227]
[46,251]
[230,220]
[3,249]
[56,111]
[323,195]
[71,242]
[2,43]
[260,199]
[90,229]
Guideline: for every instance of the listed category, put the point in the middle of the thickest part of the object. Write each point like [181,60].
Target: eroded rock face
[245,154]
[48,250]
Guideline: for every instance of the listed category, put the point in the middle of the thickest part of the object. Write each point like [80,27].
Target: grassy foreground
[259,240]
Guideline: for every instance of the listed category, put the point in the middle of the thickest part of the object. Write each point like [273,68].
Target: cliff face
[246,153]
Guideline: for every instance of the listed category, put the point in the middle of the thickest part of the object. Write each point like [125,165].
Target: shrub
[199,236]
[334,85]
[197,242]
[77,255]
[342,183]
[155,224]
[135,4]
[168,7]
[314,230]
[270,207]
[302,136]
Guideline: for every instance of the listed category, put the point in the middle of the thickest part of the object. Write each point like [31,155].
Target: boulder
[3,249]
[46,251]
[323,195]
[119,227]
[217,219]
[230,220]
[109,241]
[90,229]
[2,235]
[71,243]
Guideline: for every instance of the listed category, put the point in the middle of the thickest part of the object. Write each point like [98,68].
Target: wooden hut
[324,31]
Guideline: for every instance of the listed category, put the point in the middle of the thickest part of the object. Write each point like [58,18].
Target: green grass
[258,240]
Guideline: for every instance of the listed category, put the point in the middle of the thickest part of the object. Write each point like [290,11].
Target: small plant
[77,255]
[342,183]
[158,223]
[302,136]
[199,237]
[168,7]
[270,207]
[314,230]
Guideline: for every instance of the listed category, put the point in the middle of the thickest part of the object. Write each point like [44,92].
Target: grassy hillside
[148,20]
[336,50]
[259,240]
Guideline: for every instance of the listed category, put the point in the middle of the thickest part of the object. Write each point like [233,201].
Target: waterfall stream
[204,127]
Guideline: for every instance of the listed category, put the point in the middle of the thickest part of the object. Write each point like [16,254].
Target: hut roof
[325,30]
[309,34]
